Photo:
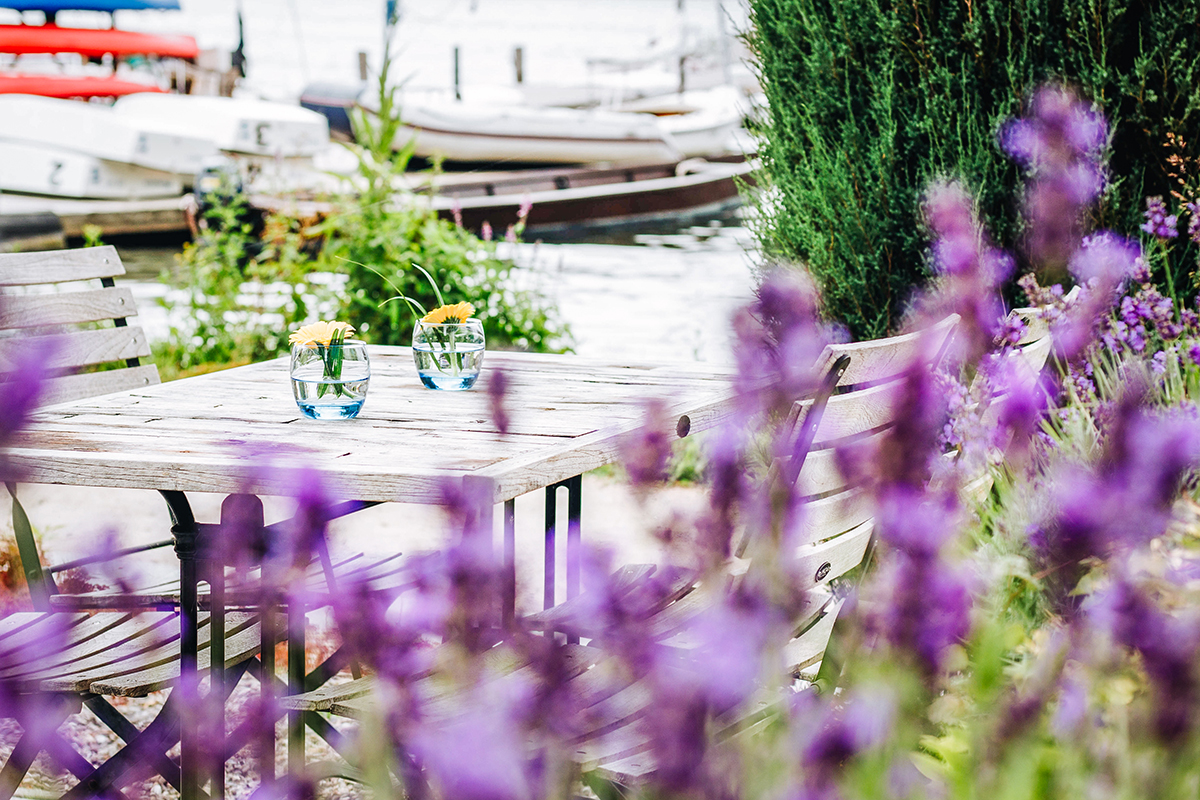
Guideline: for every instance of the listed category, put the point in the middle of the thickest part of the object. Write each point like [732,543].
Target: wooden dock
[33,223]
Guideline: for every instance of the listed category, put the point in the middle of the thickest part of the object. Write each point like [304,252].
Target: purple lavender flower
[1126,502]
[926,601]
[647,450]
[1060,145]
[497,392]
[1059,129]
[1193,228]
[833,733]
[1158,222]
[1168,646]
[778,340]
[971,269]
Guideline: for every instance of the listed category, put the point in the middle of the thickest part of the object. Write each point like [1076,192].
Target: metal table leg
[185,531]
[574,487]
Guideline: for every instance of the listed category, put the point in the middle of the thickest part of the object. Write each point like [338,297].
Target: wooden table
[568,416]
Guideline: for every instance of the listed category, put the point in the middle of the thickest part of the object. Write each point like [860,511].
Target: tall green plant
[382,230]
[870,99]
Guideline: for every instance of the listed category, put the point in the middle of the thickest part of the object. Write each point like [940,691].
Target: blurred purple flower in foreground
[1169,647]
[1059,144]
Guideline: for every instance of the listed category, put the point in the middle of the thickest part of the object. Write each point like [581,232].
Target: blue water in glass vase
[448,356]
[330,382]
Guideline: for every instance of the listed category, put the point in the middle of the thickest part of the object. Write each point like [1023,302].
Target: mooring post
[519,63]
[457,84]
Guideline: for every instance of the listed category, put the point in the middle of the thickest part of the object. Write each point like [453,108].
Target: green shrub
[870,99]
[382,229]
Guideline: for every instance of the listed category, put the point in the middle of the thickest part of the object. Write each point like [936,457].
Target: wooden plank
[823,562]
[240,644]
[809,648]
[833,515]
[79,348]
[880,360]
[854,413]
[65,388]
[66,308]
[60,266]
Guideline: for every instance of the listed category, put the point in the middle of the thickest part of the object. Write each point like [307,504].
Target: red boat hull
[67,87]
[93,43]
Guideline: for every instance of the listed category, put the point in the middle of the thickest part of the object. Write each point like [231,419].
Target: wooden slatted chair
[857,401]
[68,299]
[53,663]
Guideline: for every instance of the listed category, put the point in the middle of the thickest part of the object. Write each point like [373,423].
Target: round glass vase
[448,354]
[330,381]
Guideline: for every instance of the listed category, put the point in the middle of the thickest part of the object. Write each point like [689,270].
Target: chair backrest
[837,524]
[69,296]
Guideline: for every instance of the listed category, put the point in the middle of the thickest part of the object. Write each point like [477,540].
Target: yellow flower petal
[320,333]
[459,312]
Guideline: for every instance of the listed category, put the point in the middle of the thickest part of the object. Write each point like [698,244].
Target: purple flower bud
[646,452]
[1158,222]
[1168,647]
[497,392]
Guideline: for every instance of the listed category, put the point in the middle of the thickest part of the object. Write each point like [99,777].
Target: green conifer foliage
[870,99]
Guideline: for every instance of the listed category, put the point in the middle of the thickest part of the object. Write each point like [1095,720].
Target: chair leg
[17,766]
[162,763]
[27,748]
[296,681]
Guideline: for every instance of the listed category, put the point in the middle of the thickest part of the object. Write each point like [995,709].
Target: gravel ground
[92,738]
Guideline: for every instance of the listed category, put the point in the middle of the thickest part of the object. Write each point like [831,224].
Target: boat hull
[34,169]
[253,127]
[67,86]
[592,198]
[93,42]
[95,130]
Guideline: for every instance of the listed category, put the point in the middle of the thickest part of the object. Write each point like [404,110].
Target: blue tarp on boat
[89,5]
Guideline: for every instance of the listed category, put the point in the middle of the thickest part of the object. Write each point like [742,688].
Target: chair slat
[809,647]
[94,384]
[66,308]
[882,360]
[821,563]
[80,348]
[60,266]
[852,414]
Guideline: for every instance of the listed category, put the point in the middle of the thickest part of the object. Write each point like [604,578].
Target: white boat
[235,125]
[466,131]
[92,129]
[701,122]
[55,172]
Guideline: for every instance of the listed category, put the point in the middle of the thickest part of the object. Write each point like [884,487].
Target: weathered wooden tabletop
[214,433]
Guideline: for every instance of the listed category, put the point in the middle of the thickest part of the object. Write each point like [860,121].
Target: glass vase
[448,354]
[330,381]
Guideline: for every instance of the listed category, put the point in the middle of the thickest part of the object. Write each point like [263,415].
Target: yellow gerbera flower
[320,333]
[459,312]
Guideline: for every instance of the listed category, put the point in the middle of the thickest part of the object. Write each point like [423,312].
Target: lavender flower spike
[1158,222]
